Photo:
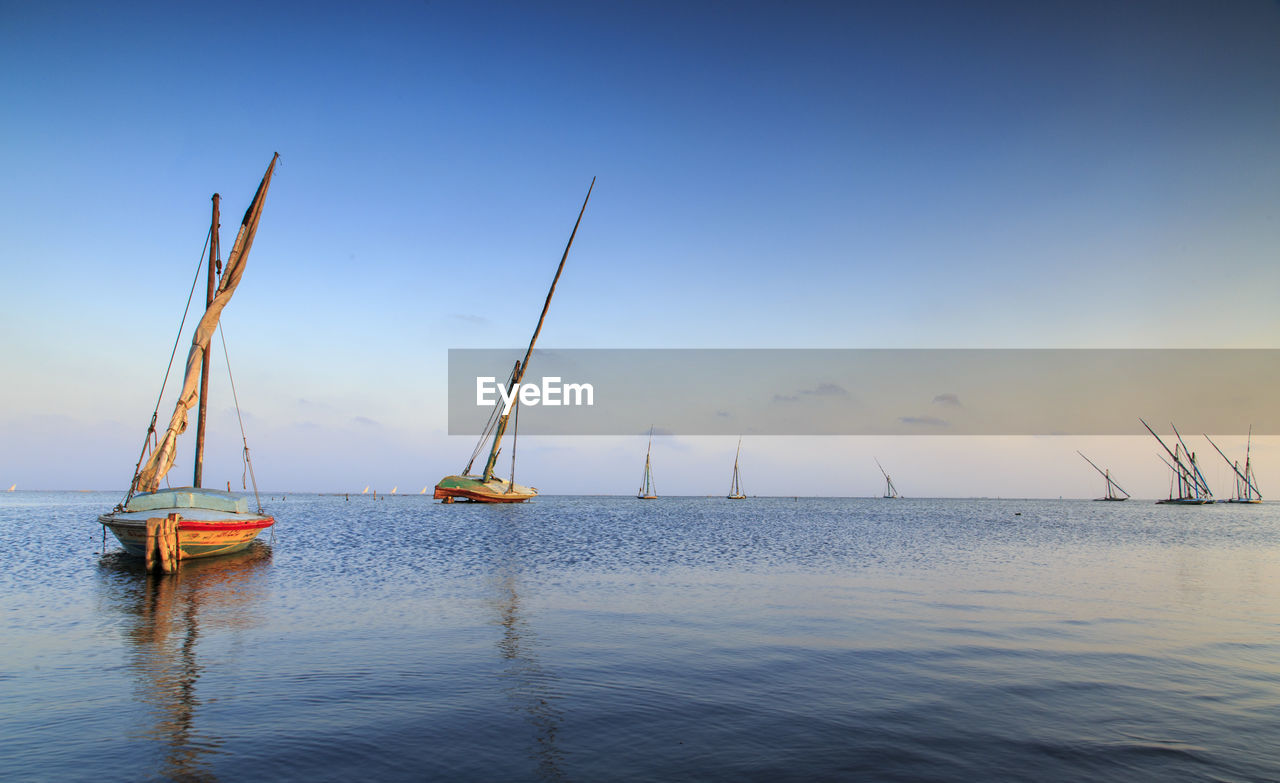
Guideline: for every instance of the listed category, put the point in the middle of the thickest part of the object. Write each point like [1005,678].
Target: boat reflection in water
[165,618]
[530,689]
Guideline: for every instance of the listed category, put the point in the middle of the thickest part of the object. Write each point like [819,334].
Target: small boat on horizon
[487,487]
[890,491]
[647,490]
[201,522]
[1192,489]
[1246,484]
[735,488]
[1112,486]
[12,488]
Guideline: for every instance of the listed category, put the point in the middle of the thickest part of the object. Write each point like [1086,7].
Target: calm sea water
[684,638]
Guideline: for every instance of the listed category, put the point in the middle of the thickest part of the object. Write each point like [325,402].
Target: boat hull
[196,537]
[476,490]
[1183,502]
[646,497]
[210,522]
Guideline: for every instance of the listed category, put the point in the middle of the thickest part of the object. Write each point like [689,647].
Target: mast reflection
[530,689]
[166,616]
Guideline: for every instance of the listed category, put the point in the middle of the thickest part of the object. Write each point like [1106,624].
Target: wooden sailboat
[1192,489]
[1112,486]
[208,522]
[890,491]
[487,487]
[1246,484]
[647,490]
[735,488]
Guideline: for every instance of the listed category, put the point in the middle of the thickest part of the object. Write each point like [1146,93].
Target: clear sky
[771,175]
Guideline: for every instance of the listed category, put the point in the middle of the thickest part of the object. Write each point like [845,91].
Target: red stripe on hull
[479,497]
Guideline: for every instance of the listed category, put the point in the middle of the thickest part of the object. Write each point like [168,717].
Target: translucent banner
[869,391]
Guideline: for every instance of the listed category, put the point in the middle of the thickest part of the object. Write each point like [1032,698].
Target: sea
[685,638]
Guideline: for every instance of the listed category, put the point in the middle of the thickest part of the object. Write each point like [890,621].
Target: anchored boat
[200,522]
[1246,484]
[1192,489]
[735,488]
[1112,486]
[890,491]
[487,487]
[647,490]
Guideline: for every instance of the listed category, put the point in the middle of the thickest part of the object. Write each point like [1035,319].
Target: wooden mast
[214,259]
[1107,475]
[646,486]
[518,375]
[1243,481]
[735,488]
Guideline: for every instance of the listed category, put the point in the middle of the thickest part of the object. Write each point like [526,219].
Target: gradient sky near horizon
[770,175]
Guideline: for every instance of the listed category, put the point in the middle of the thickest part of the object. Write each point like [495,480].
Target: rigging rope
[151,428]
[248,463]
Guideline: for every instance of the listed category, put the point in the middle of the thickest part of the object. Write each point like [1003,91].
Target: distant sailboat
[890,491]
[1246,484]
[12,488]
[647,490]
[393,489]
[1192,489]
[366,490]
[423,492]
[735,488]
[1111,485]
[487,487]
[204,522]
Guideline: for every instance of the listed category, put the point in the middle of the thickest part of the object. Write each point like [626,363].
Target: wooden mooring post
[162,550]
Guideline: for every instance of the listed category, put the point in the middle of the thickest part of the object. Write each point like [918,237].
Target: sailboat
[1112,486]
[202,522]
[1246,484]
[487,487]
[12,488]
[647,490]
[393,489]
[735,488]
[1192,489]
[890,491]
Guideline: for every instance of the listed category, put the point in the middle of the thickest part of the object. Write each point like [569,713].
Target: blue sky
[770,175]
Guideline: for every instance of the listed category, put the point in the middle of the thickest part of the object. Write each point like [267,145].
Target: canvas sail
[161,460]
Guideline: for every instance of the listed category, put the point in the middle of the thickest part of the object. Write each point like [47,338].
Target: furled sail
[149,477]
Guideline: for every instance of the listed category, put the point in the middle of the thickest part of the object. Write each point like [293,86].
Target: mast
[147,478]
[890,491]
[1200,484]
[1184,474]
[735,487]
[1105,474]
[646,486]
[518,374]
[1248,487]
[215,258]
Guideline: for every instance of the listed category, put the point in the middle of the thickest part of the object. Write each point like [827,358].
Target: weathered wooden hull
[196,537]
[477,490]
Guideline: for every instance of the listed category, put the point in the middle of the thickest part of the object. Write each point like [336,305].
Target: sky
[769,175]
